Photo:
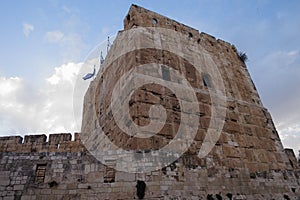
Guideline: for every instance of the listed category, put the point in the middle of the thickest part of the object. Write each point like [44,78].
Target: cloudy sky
[43,45]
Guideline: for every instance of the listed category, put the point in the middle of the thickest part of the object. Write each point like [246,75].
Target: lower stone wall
[77,175]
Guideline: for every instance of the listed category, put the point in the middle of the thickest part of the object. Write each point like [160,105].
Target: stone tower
[247,157]
[172,114]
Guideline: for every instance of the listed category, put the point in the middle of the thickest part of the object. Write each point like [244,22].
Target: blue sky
[43,43]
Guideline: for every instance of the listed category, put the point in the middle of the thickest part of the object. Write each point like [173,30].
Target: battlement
[292,157]
[63,142]
[38,143]
[138,16]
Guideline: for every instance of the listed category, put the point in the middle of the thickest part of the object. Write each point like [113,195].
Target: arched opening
[206,80]
[154,22]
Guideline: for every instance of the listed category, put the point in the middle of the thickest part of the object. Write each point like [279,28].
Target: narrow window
[190,35]
[154,21]
[165,73]
[109,175]
[140,189]
[190,73]
[40,173]
[206,80]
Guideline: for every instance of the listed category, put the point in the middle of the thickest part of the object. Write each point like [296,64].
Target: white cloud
[58,94]
[27,29]
[54,36]
[65,72]
[70,44]
[49,109]
[66,9]
[9,86]
[280,59]
[291,141]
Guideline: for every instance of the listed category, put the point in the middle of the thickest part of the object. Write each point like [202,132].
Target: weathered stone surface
[247,162]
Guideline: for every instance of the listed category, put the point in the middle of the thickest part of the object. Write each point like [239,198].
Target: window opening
[206,80]
[40,173]
[154,21]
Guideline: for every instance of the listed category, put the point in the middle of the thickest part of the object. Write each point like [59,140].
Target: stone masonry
[247,162]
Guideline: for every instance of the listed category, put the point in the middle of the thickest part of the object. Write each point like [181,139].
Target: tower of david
[171,114]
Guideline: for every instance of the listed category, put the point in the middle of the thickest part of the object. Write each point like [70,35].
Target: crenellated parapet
[140,17]
[61,142]
[292,158]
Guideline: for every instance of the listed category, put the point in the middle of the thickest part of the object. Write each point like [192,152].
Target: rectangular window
[109,175]
[190,73]
[165,73]
[40,173]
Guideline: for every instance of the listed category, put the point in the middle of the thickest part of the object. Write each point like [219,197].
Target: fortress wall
[38,143]
[247,162]
[78,175]
[249,147]
[249,138]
